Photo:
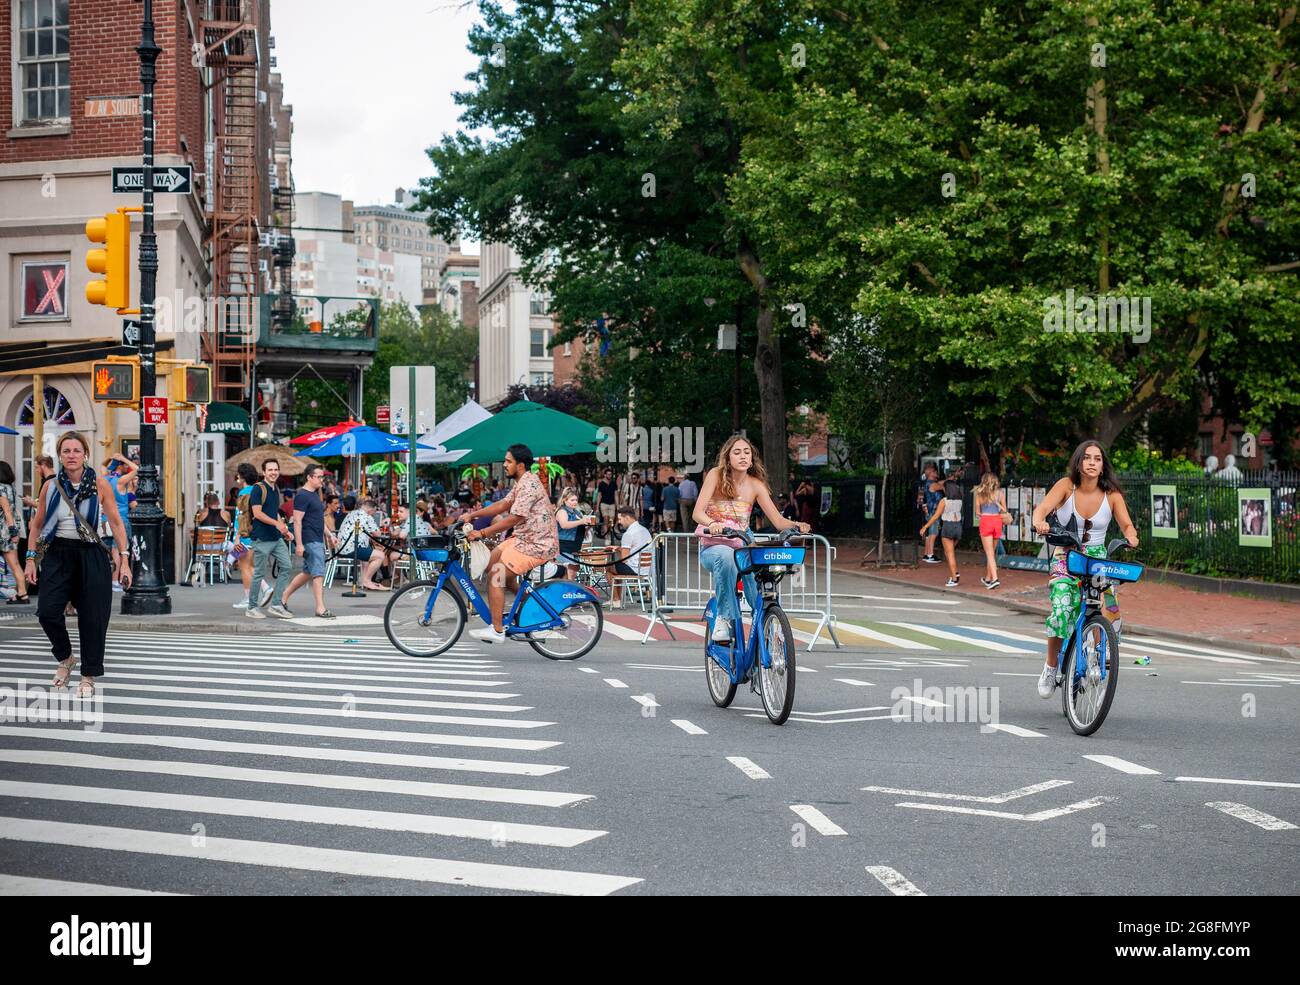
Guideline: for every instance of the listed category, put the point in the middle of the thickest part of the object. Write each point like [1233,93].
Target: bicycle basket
[748,558]
[431,548]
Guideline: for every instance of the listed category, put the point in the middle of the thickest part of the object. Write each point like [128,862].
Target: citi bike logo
[570,596]
[947,704]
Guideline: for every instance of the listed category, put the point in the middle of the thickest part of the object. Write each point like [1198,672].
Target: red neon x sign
[51,297]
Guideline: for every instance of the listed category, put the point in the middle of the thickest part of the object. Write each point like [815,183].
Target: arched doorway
[60,416]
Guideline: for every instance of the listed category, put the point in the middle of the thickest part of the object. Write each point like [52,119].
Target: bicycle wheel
[776,682]
[721,689]
[417,630]
[1087,698]
[583,624]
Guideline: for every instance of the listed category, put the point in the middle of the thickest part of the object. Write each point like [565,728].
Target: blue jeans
[720,561]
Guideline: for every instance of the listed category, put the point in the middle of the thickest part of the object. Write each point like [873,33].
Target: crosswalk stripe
[875,634]
[330,731]
[241,663]
[1251,816]
[622,632]
[322,754]
[944,634]
[335,699]
[1197,648]
[316,652]
[298,686]
[997,631]
[25,886]
[391,716]
[295,674]
[991,635]
[333,781]
[1131,646]
[894,881]
[819,821]
[285,856]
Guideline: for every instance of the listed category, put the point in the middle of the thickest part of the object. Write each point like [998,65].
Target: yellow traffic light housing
[113,261]
[191,383]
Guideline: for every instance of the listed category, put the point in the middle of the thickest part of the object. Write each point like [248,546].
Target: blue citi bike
[560,619]
[767,660]
[1088,669]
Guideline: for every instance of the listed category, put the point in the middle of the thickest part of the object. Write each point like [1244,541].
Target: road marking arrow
[998,798]
[1047,815]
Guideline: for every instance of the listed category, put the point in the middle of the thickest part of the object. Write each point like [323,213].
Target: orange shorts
[516,561]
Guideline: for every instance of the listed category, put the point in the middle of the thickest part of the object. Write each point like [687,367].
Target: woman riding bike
[730,491]
[1085,500]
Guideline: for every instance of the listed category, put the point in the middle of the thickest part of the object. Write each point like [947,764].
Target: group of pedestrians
[943,502]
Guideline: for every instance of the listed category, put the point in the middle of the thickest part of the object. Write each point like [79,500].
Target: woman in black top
[213,516]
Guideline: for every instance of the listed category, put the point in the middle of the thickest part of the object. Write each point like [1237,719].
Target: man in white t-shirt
[634,544]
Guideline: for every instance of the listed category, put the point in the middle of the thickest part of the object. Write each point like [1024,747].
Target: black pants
[79,573]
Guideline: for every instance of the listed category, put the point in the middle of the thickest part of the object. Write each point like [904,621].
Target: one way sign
[172,179]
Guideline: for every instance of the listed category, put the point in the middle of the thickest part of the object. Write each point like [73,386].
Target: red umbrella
[324,434]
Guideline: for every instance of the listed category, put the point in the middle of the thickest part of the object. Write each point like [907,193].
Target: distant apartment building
[334,258]
[514,327]
[399,230]
[458,281]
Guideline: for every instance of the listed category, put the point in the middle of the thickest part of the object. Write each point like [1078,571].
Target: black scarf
[84,491]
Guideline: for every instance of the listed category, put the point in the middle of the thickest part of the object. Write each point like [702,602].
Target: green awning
[226,419]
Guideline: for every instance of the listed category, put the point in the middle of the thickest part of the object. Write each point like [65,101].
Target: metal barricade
[682,585]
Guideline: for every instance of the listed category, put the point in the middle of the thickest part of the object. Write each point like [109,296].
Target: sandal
[63,673]
[19,600]
[87,688]
[327,614]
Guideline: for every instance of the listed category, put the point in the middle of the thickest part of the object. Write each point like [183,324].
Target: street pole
[147,595]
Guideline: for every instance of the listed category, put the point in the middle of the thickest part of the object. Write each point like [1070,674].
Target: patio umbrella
[5,430]
[361,440]
[290,464]
[546,432]
[324,434]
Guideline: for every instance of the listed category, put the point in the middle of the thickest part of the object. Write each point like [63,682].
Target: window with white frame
[538,347]
[803,452]
[42,93]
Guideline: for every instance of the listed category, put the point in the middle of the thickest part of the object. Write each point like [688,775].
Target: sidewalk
[1147,606]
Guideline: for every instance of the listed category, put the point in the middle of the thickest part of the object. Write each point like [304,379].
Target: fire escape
[237,173]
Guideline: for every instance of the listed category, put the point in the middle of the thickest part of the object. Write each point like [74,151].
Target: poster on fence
[869,502]
[1013,507]
[826,500]
[1164,511]
[1255,516]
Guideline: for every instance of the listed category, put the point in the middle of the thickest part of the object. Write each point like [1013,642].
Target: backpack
[244,522]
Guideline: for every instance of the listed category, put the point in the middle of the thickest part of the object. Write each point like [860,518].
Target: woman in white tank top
[1089,496]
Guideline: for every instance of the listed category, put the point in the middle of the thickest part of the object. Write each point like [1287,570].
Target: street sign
[381,414]
[153,410]
[402,400]
[130,333]
[171,179]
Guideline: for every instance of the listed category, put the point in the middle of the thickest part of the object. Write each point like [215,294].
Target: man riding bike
[534,540]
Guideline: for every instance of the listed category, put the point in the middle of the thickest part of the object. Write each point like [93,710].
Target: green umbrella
[381,468]
[546,432]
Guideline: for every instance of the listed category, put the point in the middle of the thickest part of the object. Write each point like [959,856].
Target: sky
[371,87]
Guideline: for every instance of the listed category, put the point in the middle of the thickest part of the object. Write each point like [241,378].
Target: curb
[1279,650]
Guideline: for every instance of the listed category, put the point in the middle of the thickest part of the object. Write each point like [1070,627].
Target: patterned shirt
[536,534]
[357,524]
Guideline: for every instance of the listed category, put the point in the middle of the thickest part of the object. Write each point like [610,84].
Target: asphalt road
[298,762]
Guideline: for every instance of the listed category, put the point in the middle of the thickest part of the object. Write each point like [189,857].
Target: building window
[537,306]
[568,348]
[803,452]
[58,411]
[44,94]
[1207,444]
[540,379]
[45,290]
[538,347]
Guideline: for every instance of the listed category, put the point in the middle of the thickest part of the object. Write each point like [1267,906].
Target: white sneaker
[951,583]
[279,611]
[253,612]
[241,604]
[488,635]
[266,595]
[1047,682]
[721,633]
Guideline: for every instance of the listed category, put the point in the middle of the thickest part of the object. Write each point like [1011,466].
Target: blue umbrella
[5,430]
[360,441]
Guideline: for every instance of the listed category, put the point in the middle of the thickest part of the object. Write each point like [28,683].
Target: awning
[225,419]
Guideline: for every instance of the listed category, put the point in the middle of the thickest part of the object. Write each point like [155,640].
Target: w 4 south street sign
[175,179]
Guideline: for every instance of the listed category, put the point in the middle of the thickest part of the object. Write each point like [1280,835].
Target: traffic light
[115,381]
[113,261]
[190,384]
